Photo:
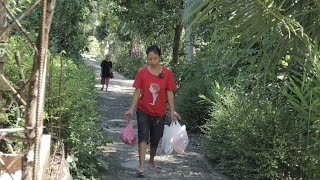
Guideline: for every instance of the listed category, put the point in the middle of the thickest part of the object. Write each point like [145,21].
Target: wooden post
[34,115]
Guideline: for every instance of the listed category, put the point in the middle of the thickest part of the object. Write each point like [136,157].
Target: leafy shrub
[128,66]
[254,135]
[303,93]
[187,100]
[78,112]
[196,79]
[9,117]
[79,116]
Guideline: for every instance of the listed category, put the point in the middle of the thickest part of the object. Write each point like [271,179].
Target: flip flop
[140,174]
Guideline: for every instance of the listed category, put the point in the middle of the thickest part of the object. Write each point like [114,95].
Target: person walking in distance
[106,73]
[154,85]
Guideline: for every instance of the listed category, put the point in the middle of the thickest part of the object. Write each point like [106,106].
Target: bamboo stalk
[7,29]
[17,57]
[12,130]
[5,168]
[11,14]
[10,155]
[18,96]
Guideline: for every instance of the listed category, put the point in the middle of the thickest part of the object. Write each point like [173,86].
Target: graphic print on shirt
[154,89]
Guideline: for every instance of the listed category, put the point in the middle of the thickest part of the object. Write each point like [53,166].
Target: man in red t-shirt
[154,85]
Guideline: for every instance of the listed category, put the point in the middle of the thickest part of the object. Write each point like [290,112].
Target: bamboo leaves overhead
[299,18]
[257,35]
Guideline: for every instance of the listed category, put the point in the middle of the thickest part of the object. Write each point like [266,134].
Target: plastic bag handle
[175,123]
[128,122]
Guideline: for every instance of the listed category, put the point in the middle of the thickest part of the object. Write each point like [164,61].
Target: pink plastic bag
[127,135]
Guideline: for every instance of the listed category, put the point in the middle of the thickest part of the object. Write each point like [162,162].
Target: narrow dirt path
[123,158]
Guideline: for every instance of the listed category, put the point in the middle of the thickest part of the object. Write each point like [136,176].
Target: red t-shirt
[153,97]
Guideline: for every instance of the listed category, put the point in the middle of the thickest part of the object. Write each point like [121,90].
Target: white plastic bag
[174,138]
[167,139]
[180,140]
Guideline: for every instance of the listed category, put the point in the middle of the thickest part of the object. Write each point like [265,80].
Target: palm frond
[244,14]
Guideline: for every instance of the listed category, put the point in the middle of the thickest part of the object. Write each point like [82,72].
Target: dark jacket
[106,67]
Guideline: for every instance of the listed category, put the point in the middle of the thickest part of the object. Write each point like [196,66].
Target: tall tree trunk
[188,47]
[35,103]
[176,43]
[188,40]
[134,47]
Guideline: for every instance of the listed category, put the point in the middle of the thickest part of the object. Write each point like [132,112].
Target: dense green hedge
[79,115]
[191,82]
[128,66]
[254,135]
[80,133]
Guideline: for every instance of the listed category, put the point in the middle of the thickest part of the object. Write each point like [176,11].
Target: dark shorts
[150,128]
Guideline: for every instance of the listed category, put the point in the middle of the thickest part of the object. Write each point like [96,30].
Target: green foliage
[267,48]
[232,28]
[154,22]
[128,66]
[153,19]
[303,93]
[73,21]
[14,114]
[191,83]
[17,43]
[102,32]
[242,16]
[254,135]
[197,78]
[79,115]
[69,34]
[68,30]
[94,46]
